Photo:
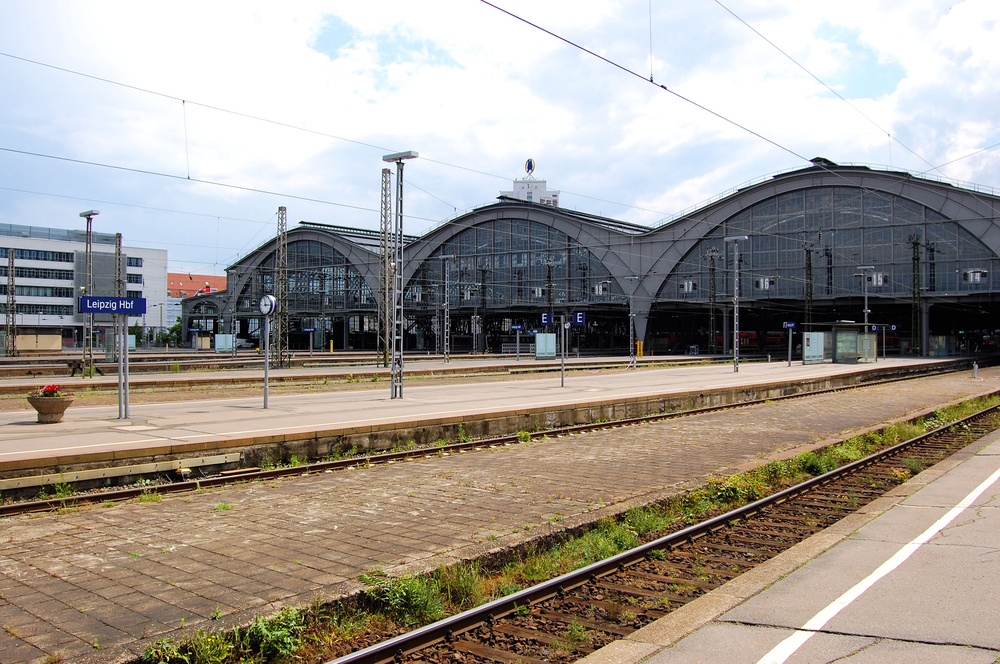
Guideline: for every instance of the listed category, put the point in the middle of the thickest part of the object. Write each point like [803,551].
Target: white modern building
[531,190]
[50,274]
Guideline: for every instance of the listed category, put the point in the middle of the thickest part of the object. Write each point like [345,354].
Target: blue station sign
[130,306]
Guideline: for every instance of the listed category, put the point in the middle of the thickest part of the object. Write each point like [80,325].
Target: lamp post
[397,281]
[735,239]
[88,319]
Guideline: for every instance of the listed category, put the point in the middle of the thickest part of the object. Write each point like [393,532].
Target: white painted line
[781,652]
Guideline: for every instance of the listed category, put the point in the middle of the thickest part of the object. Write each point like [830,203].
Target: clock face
[267,304]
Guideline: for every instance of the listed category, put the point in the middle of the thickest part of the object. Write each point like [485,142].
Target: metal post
[397,290]
[789,333]
[735,239]
[121,367]
[125,365]
[267,353]
[88,319]
[865,271]
[631,323]
[397,281]
[517,350]
[562,356]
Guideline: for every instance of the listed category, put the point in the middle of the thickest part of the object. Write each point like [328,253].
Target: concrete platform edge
[489,423]
[663,633]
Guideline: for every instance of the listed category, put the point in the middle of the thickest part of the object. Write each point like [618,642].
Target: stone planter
[50,409]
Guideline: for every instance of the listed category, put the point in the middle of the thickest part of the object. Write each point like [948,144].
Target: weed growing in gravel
[408,599]
[148,496]
[462,584]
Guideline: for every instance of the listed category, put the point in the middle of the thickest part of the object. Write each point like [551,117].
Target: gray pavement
[97,429]
[97,584]
[898,585]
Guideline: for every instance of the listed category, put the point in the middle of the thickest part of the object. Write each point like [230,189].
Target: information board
[545,346]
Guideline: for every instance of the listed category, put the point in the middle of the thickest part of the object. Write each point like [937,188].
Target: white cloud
[469,86]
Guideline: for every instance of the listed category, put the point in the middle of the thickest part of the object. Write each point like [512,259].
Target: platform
[101,583]
[96,433]
[912,577]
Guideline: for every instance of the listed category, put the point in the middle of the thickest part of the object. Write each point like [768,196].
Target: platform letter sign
[547,319]
[130,306]
[579,318]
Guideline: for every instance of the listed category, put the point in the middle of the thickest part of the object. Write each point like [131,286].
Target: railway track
[566,618]
[75,498]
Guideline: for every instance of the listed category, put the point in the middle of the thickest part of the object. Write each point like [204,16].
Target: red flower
[49,391]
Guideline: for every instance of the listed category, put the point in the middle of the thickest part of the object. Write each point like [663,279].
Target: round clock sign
[267,304]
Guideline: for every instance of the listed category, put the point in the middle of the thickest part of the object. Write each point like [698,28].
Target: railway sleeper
[588,623]
[492,654]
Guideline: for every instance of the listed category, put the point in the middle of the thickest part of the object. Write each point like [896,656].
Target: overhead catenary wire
[823,83]
[249,116]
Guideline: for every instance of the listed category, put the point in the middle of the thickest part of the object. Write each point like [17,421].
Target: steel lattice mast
[281,289]
[11,322]
[386,269]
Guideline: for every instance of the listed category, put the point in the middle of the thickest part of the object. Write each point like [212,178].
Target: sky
[188,123]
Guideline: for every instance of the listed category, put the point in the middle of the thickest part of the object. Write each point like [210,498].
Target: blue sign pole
[789,327]
[517,345]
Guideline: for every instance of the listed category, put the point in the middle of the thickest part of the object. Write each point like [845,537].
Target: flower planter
[50,409]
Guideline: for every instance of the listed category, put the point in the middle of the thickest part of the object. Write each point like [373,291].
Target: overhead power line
[823,83]
[650,80]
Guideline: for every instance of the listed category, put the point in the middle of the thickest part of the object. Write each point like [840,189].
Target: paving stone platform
[99,584]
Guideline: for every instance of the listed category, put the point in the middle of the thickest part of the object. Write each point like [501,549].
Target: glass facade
[512,265]
[838,230]
[319,279]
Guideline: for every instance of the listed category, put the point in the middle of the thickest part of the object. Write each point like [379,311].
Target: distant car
[246,343]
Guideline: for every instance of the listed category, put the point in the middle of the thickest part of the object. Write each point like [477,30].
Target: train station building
[814,245]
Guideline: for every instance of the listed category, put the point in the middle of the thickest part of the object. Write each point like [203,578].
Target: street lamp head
[400,156]
[90,213]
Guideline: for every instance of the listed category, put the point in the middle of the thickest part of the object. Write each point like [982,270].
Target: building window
[134,278]
[38,273]
[39,255]
[133,293]
[39,291]
[134,261]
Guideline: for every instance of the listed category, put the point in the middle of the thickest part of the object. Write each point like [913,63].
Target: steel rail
[446,629]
